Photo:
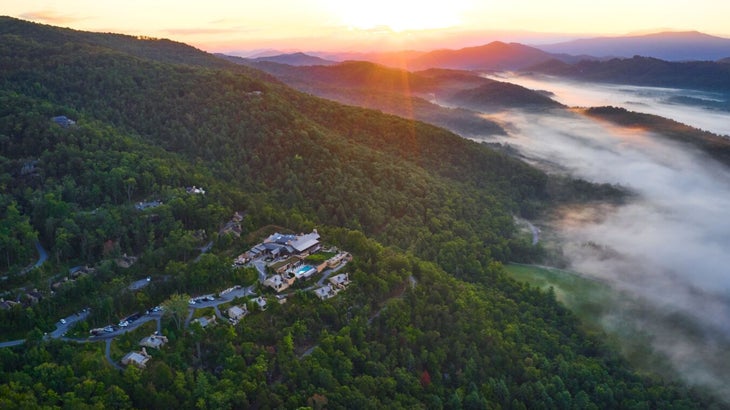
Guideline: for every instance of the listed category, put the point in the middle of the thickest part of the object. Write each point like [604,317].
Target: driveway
[260,265]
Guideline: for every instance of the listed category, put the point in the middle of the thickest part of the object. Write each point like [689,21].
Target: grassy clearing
[617,315]
[587,298]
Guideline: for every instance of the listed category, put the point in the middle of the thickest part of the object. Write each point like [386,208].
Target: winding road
[63,325]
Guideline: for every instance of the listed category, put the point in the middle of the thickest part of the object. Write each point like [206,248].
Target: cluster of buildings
[26,299]
[287,255]
[279,245]
[233,226]
[290,270]
[141,357]
[336,284]
[73,274]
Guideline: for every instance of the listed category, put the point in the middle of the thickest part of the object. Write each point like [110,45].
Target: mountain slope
[672,46]
[232,121]
[390,90]
[493,56]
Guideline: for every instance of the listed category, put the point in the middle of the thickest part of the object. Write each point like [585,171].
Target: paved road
[42,258]
[329,272]
[107,353]
[42,255]
[12,343]
[62,328]
[260,265]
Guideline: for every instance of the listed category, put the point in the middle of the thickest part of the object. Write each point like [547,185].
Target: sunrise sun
[398,16]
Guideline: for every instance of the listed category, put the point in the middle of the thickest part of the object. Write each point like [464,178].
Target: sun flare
[398,16]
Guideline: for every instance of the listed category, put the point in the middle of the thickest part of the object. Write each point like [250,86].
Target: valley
[668,240]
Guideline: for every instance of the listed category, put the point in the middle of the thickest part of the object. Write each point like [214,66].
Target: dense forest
[431,321]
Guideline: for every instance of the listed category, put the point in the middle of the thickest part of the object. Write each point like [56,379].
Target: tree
[177,307]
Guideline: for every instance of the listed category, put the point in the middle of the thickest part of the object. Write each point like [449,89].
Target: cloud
[50,16]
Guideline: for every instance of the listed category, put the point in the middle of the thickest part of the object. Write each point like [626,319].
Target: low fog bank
[700,109]
[667,250]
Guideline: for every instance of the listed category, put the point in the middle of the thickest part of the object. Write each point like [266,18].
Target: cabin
[153,341]
[340,281]
[236,313]
[138,359]
[325,292]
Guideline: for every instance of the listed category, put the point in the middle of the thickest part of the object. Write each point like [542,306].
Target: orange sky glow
[329,25]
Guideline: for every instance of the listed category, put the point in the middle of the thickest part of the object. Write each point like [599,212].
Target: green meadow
[611,314]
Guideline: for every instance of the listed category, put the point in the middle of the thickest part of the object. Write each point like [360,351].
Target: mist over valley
[666,249]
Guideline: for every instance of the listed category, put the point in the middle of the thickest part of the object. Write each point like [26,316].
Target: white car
[63,321]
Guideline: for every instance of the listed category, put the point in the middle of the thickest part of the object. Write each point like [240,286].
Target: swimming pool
[305,271]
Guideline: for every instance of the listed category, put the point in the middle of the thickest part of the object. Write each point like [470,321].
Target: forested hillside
[391,90]
[430,320]
[716,146]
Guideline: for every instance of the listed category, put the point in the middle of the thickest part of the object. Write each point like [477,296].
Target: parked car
[63,321]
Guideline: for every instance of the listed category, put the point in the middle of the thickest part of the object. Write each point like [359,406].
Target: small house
[138,359]
[277,282]
[325,292]
[340,281]
[261,302]
[237,313]
[205,321]
[153,341]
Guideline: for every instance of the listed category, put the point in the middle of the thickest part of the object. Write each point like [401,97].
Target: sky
[341,25]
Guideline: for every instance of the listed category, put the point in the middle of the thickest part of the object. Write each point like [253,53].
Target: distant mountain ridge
[646,71]
[387,89]
[670,46]
[493,56]
[411,94]
[295,59]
